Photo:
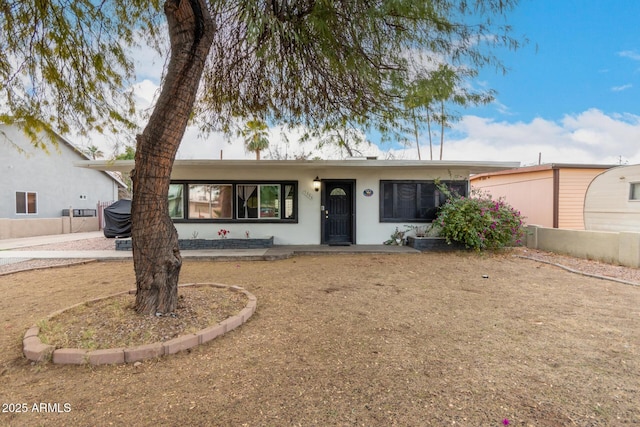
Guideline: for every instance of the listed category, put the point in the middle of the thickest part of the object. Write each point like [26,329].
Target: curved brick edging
[37,351]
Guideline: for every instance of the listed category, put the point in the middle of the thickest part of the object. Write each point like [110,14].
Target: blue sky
[571,95]
[582,55]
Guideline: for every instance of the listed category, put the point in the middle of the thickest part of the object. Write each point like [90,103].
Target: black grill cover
[117,219]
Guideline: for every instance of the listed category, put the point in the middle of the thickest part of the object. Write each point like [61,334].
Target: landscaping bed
[195,244]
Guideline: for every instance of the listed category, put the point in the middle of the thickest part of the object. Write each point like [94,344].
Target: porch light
[316,184]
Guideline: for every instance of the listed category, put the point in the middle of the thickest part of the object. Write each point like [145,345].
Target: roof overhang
[472,167]
[544,167]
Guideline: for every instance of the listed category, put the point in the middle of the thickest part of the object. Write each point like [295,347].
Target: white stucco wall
[58,183]
[369,229]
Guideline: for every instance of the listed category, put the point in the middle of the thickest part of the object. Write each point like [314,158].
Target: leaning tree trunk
[156,256]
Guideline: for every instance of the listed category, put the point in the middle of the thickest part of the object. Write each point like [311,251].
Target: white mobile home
[359,201]
[612,201]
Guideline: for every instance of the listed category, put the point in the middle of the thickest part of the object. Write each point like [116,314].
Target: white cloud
[588,137]
[621,88]
[631,54]
[145,93]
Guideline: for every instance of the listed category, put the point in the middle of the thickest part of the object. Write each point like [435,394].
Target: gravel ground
[12,265]
[589,267]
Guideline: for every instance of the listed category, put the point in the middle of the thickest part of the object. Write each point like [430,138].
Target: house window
[257,201]
[634,191]
[176,202]
[233,201]
[210,201]
[414,201]
[26,203]
[289,201]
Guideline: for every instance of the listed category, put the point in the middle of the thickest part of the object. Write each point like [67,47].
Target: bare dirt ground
[350,340]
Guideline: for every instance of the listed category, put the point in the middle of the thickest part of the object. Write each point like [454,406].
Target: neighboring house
[36,187]
[358,201]
[549,195]
[612,202]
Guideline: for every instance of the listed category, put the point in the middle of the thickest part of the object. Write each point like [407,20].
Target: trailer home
[612,201]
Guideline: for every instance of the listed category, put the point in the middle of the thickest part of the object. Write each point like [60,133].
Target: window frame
[188,200]
[634,186]
[383,215]
[181,203]
[283,184]
[26,202]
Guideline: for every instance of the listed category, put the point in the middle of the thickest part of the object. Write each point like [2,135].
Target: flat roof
[473,167]
[543,167]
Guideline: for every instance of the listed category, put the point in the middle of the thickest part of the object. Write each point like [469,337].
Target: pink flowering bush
[479,222]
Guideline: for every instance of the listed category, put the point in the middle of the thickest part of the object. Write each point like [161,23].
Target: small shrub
[478,221]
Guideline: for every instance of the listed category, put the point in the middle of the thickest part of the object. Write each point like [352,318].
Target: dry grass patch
[350,340]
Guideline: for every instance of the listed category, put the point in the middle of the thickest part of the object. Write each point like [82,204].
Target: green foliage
[69,64]
[396,238]
[256,136]
[434,94]
[129,154]
[65,63]
[479,222]
[93,152]
[344,135]
[326,62]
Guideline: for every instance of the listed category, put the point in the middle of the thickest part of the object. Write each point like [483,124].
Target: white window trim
[631,187]
[26,203]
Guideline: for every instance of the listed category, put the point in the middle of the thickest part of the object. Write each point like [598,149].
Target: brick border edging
[36,351]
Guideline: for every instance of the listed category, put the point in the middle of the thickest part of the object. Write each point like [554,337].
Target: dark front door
[338,216]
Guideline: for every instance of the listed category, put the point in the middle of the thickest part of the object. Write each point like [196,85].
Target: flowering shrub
[223,233]
[478,221]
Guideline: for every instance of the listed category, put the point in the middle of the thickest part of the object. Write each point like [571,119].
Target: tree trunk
[156,256]
[430,141]
[415,129]
[441,128]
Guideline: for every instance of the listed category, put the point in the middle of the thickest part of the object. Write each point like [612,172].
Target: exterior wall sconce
[316,184]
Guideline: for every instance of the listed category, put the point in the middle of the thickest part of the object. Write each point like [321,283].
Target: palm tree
[256,136]
[442,86]
[93,152]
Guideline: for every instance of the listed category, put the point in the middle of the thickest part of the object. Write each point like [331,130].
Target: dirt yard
[350,340]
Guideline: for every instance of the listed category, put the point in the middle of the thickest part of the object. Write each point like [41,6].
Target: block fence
[622,248]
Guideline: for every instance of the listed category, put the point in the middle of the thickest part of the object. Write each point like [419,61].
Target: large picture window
[26,203]
[233,201]
[210,201]
[414,201]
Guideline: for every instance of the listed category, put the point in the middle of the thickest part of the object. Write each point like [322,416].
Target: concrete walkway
[25,242]
[276,252]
